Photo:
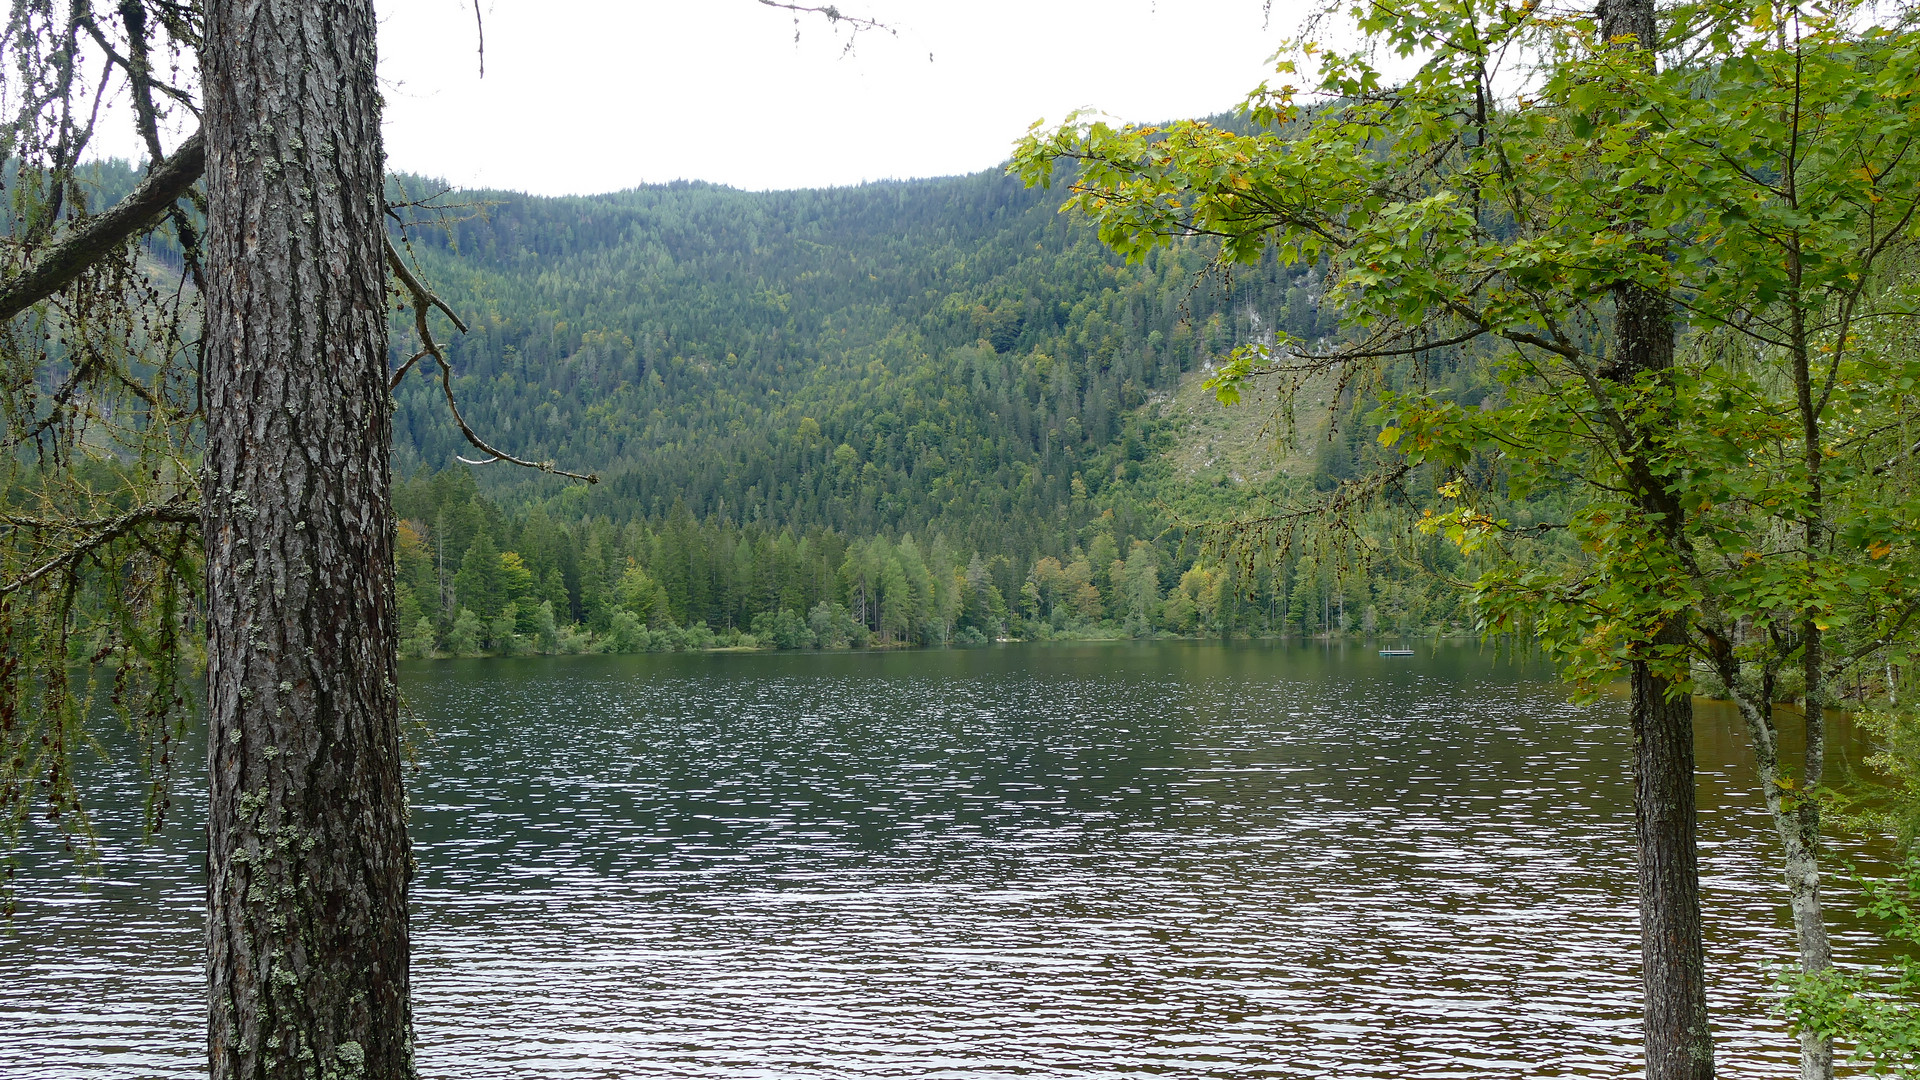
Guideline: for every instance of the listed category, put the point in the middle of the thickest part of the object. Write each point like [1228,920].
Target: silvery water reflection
[1173,859]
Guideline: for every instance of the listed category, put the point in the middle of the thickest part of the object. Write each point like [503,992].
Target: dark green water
[1172,859]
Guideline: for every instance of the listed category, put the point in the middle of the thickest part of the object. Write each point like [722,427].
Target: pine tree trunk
[307,854]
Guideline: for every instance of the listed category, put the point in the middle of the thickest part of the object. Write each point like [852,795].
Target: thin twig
[446,381]
[401,372]
[834,16]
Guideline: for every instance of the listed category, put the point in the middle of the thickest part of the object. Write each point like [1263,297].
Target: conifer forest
[911,413]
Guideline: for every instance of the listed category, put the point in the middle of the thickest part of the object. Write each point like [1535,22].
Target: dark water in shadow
[1173,859]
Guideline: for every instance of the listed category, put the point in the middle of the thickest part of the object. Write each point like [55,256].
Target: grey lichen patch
[352,1065]
[250,802]
[242,506]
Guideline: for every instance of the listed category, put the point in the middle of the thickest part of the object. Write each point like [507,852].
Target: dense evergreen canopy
[796,374]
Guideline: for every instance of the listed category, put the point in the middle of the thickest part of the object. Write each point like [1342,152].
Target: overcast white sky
[584,96]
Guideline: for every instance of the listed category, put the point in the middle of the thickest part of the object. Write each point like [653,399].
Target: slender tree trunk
[307,850]
[1796,820]
[1800,830]
[1679,1044]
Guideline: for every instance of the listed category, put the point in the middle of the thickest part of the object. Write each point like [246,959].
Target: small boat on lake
[1396,652]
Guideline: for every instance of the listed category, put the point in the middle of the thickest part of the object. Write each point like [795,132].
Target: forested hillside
[934,354]
[948,363]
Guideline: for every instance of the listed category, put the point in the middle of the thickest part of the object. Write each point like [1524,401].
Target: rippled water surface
[1173,859]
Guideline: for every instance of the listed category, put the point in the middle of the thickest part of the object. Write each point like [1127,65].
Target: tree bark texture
[1679,1043]
[307,854]
[1799,830]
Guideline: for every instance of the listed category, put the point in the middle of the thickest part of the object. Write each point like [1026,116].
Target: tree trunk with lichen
[307,858]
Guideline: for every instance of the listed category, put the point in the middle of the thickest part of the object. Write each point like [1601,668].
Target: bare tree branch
[832,14]
[420,293]
[446,381]
[425,301]
[399,373]
[1364,352]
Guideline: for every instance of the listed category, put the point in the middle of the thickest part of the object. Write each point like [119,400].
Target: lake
[1180,858]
